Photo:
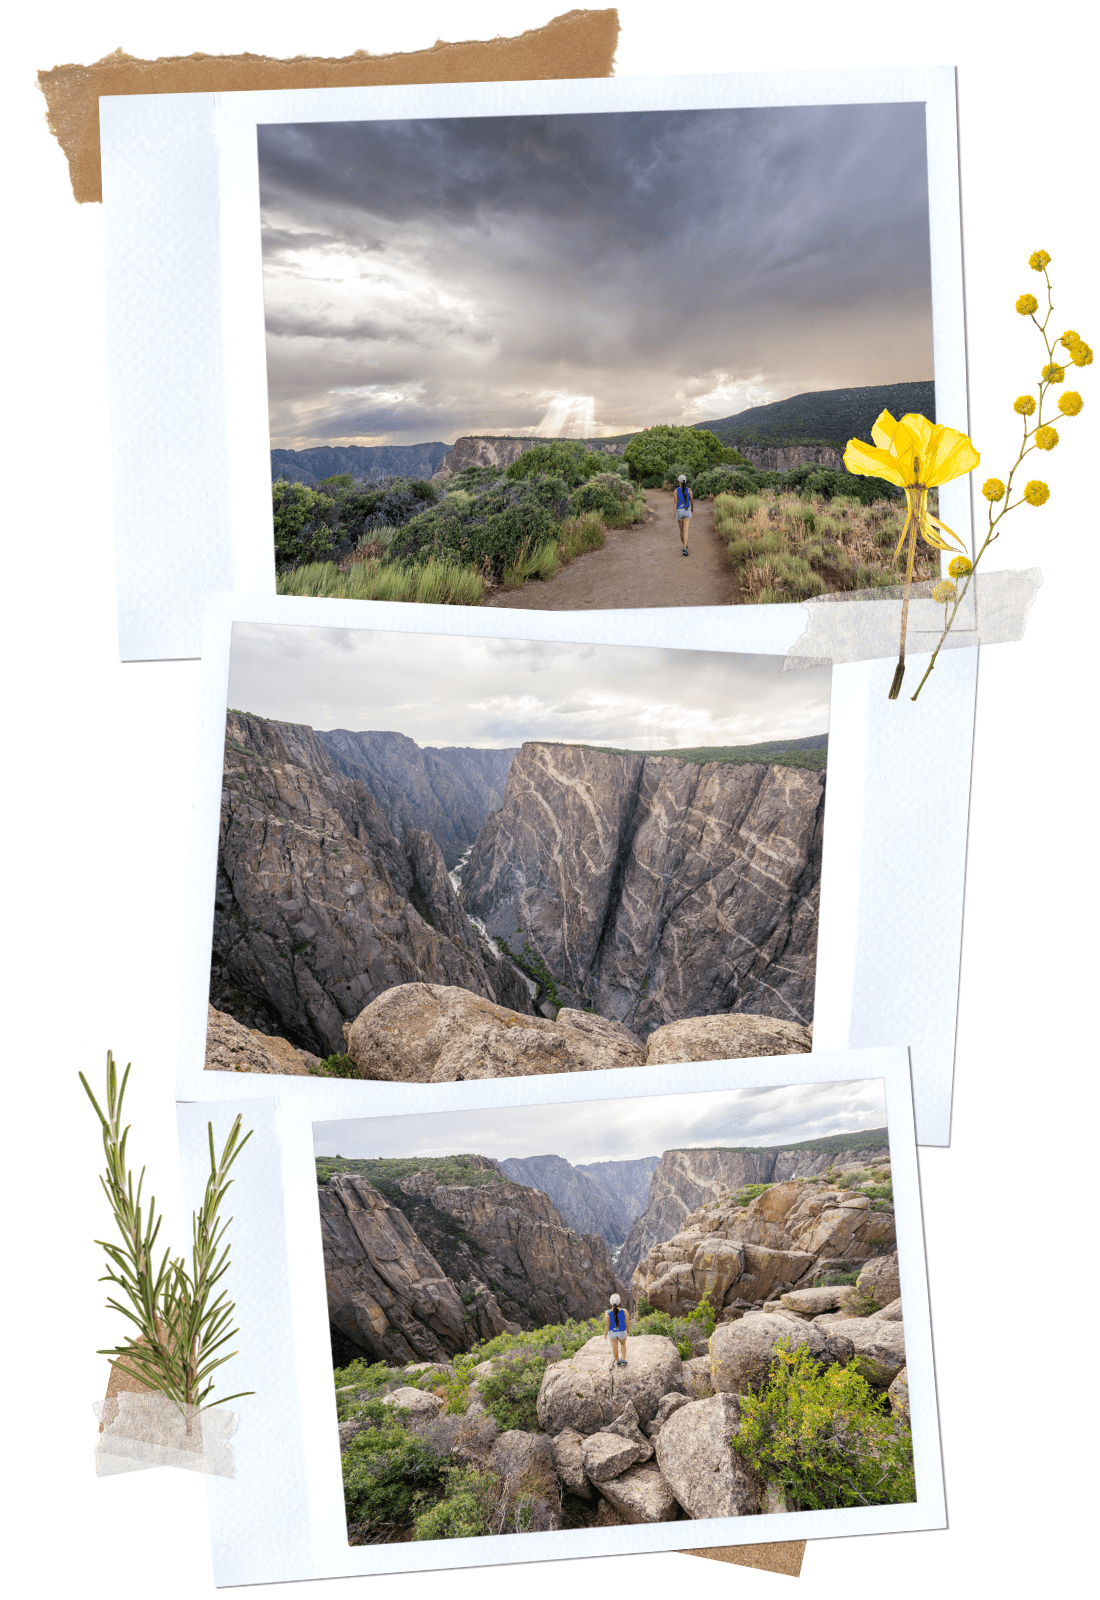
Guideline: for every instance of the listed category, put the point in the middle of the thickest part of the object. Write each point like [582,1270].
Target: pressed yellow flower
[1024,404]
[1054,373]
[1070,403]
[944,592]
[993,489]
[1036,492]
[1046,438]
[1081,354]
[916,455]
[1038,260]
[959,566]
[1026,304]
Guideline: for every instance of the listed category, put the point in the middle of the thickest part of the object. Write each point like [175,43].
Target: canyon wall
[655,888]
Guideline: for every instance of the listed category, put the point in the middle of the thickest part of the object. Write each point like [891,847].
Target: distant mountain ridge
[824,416]
[590,1198]
[322,461]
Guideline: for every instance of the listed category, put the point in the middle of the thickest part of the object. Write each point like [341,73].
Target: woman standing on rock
[684,504]
[618,1327]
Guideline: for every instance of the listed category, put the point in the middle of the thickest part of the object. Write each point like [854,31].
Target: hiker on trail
[684,503]
[618,1326]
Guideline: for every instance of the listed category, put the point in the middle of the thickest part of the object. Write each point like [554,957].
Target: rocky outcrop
[446,791]
[442,1265]
[784,458]
[745,1254]
[588,1391]
[641,1494]
[386,1293]
[696,1456]
[319,909]
[432,1033]
[481,451]
[742,1352]
[654,888]
[684,1180]
[589,1207]
[231,1047]
[732,1037]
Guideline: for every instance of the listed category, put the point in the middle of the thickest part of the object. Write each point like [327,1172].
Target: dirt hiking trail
[638,566]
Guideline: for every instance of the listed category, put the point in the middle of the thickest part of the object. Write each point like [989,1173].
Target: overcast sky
[495,693]
[618,1130]
[588,274]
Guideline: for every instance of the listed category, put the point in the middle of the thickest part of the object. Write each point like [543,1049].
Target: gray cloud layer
[430,278]
[619,1130]
[498,692]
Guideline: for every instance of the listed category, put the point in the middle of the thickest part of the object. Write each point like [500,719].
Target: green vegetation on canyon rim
[792,535]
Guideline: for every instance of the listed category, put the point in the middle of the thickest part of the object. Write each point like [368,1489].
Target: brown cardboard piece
[579,44]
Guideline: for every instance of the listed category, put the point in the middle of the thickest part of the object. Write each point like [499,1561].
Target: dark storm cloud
[657,262]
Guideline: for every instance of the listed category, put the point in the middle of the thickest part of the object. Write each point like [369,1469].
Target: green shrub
[684,1347]
[563,458]
[438,582]
[825,1437]
[703,1318]
[580,535]
[488,532]
[725,480]
[654,1322]
[389,1472]
[341,1066]
[567,1337]
[304,521]
[509,1393]
[464,1512]
[612,496]
[643,1307]
[749,1191]
[650,454]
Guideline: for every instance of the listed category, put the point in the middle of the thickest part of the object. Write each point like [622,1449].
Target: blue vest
[616,1319]
[682,501]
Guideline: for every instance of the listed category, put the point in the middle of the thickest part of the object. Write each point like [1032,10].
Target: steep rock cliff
[628,1181]
[655,888]
[449,792]
[784,458]
[684,1180]
[419,1268]
[474,451]
[586,1203]
[319,909]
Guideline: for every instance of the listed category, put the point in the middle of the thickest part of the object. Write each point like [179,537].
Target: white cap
[614,1299]
[682,478]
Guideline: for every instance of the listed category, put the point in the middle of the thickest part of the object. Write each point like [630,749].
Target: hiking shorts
[683,513]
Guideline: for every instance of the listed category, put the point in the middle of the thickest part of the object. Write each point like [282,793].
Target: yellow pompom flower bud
[1026,304]
[1070,403]
[1036,492]
[1024,405]
[1038,260]
[1046,438]
[1081,354]
[944,592]
[993,489]
[960,566]
[1071,336]
[1054,373]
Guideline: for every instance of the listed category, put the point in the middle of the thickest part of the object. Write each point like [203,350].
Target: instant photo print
[459,343]
[432,1285]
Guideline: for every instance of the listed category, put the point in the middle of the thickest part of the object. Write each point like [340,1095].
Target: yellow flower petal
[929,537]
[945,452]
[882,431]
[867,462]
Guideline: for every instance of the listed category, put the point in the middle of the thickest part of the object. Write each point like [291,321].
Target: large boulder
[879,1346]
[726,1038]
[670,1403]
[699,1463]
[642,1494]
[890,1313]
[627,1426]
[569,1462]
[742,1352]
[813,1302]
[420,1405]
[898,1394]
[697,1374]
[605,1455]
[880,1279]
[432,1033]
[518,1455]
[589,1391]
[231,1047]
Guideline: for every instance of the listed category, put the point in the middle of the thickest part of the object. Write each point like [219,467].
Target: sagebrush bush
[338,1066]
[509,1394]
[464,1512]
[825,1437]
[563,458]
[389,1472]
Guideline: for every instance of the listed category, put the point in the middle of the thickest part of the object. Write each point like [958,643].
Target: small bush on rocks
[389,1472]
[825,1437]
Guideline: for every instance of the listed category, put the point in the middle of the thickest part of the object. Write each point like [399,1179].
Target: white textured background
[99,793]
